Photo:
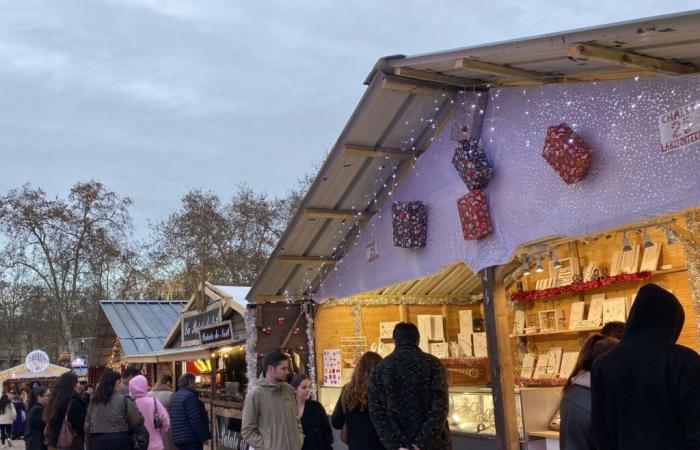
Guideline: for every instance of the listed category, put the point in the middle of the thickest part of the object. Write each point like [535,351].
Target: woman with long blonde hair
[351,413]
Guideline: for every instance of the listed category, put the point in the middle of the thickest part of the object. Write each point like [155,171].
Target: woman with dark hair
[113,420]
[575,410]
[7,416]
[314,420]
[64,404]
[351,413]
[34,428]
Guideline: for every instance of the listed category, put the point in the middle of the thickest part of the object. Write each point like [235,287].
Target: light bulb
[555,261]
[626,244]
[647,240]
[671,237]
[538,265]
[525,266]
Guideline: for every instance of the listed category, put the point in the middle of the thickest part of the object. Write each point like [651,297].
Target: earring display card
[614,310]
[595,312]
[541,367]
[650,261]
[616,263]
[549,320]
[630,260]
[465,344]
[519,324]
[425,326]
[331,367]
[437,328]
[568,363]
[528,367]
[480,349]
[576,316]
[440,350]
[554,361]
[466,321]
[588,272]
[386,329]
[455,351]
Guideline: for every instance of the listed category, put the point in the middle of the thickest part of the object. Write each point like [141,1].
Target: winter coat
[270,419]
[34,429]
[8,415]
[408,400]
[189,422]
[164,394]
[361,432]
[138,387]
[76,418]
[575,411]
[318,434]
[646,390]
[18,424]
[119,414]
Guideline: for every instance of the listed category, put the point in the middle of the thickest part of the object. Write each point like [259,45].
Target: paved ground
[17,445]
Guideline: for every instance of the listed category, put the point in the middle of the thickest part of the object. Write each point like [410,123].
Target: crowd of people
[632,387]
[114,415]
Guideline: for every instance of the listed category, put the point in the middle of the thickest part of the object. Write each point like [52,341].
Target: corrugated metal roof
[140,325]
[402,90]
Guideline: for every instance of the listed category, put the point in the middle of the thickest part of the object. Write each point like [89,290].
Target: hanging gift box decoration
[474,215]
[409,222]
[470,161]
[567,153]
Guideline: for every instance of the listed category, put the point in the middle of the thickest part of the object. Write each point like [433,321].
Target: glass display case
[471,410]
[328,396]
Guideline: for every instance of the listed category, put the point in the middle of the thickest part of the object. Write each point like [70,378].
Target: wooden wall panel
[372,316]
[332,323]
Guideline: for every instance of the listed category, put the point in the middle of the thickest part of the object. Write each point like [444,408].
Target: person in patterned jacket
[408,400]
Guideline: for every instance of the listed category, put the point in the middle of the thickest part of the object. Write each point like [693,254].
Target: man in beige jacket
[270,420]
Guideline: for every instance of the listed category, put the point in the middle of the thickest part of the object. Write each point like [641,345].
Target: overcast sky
[155,97]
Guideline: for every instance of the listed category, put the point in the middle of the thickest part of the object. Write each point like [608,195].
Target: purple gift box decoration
[409,221]
[470,161]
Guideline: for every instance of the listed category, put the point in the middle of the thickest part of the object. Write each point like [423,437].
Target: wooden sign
[193,321]
[219,333]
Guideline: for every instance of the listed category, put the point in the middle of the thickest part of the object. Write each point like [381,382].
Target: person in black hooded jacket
[646,391]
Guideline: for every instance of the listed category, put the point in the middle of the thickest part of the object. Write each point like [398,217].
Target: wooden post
[500,359]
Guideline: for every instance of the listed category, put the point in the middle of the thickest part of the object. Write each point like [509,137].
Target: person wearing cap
[646,390]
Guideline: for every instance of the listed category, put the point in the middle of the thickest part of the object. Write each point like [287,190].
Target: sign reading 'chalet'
[219,332]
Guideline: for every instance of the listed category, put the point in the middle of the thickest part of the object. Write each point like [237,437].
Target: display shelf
[544,434]
[470,361]
[560,332]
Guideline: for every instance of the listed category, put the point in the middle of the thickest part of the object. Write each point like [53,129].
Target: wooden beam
[528,76]
[336,214]
[291,330]
[279,298]
[617,57]
[423,75]
[685,234]
[379,152]
[500,359]
[417,87]
[287,259]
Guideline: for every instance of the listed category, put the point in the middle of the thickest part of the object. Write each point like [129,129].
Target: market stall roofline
[345,180]
[140,325]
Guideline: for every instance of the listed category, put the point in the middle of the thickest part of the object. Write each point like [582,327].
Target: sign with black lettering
[193,321]
[217,333]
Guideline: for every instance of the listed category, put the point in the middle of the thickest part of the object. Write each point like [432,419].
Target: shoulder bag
[157,418]
[139,433]
[68,438]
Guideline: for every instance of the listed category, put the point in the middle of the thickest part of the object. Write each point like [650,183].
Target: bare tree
[61,244]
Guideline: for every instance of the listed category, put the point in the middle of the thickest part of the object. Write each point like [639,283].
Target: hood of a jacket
[656,315]
[265,383]
[138,386]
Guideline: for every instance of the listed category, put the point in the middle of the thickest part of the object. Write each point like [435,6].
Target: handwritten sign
[228,433]
[220,332]
[192,322]
[680,128]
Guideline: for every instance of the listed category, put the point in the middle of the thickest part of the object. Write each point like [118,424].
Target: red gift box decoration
[470,161]
[474,215]
[567,153]
[409,221]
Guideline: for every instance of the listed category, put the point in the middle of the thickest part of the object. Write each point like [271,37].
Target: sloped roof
[140,325]
[402,90]
[237,293]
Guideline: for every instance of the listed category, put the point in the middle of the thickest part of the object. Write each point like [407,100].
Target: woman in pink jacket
[152,409]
